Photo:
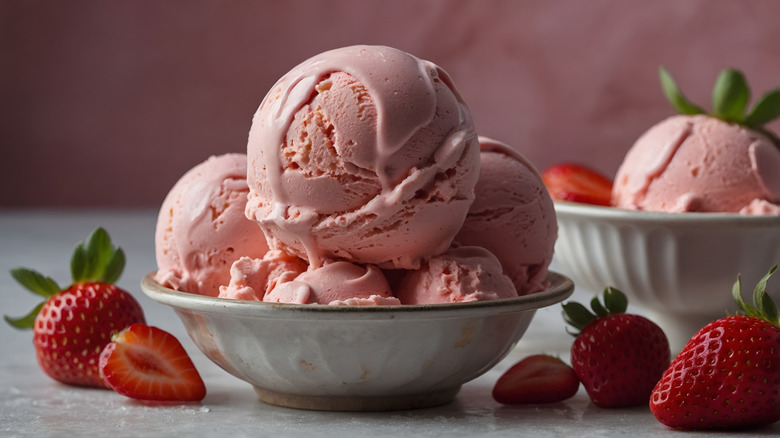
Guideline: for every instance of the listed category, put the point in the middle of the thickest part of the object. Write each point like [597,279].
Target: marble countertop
[31,404]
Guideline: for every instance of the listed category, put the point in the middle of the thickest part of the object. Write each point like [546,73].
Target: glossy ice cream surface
[512,216]
[363,154]
[201,227]
[700,164]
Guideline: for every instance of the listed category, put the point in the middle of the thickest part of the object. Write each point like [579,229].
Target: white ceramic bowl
[678,268]
[356,358]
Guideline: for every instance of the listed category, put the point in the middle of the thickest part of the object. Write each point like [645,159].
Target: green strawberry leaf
[768,308]
[79,263]
[27,321]
[114,267]
[730,96]
[765,306]
[99,251]
[577,315]
[35,282]
[615,301]
[97,259]
[597,307]
[736,292]
[765,110]
[760,288]
[675,96]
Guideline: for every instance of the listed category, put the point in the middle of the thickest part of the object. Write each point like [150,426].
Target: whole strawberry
[618,357]
[72,326]
[728,375]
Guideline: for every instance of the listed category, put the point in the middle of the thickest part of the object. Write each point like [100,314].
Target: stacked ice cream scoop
[364,183]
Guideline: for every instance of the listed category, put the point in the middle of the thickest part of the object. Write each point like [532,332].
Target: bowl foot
[357,403]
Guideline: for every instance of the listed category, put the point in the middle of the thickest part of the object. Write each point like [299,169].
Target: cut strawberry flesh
[536,379]
[577,183]
[147,363]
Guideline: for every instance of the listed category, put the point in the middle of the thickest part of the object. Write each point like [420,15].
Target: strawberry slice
[147,363]
[577,183]
[536,379]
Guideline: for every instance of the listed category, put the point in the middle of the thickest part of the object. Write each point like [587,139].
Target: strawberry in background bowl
[694,204]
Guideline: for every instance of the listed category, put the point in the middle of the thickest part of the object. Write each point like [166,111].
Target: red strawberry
[728,375]
[618,357]
[147,363]
[73,325]
[577,183]
[536,379]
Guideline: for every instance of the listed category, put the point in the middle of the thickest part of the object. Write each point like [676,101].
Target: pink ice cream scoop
[335,283]
[201,227]
[512,216]
[250,278]
[462,274]
[365,154]
[700,164]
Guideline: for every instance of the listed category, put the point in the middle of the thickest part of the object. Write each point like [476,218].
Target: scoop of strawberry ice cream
[250,278]
[700,164]
[512,216]
[335,283]
[365,154]
[462,274]
[201,227]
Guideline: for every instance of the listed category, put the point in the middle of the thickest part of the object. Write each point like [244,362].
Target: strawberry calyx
[95,260]
[579,317]
[763,306]
[730,97]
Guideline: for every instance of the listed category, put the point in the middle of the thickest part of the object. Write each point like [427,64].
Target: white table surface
[31,404]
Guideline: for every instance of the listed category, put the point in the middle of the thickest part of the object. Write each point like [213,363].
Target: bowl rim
[564,208]
[560,288]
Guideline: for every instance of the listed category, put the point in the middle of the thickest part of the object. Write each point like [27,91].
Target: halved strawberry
[577,183]
[536,379]
[147,363]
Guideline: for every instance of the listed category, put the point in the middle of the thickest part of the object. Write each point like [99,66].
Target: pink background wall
[107,103]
